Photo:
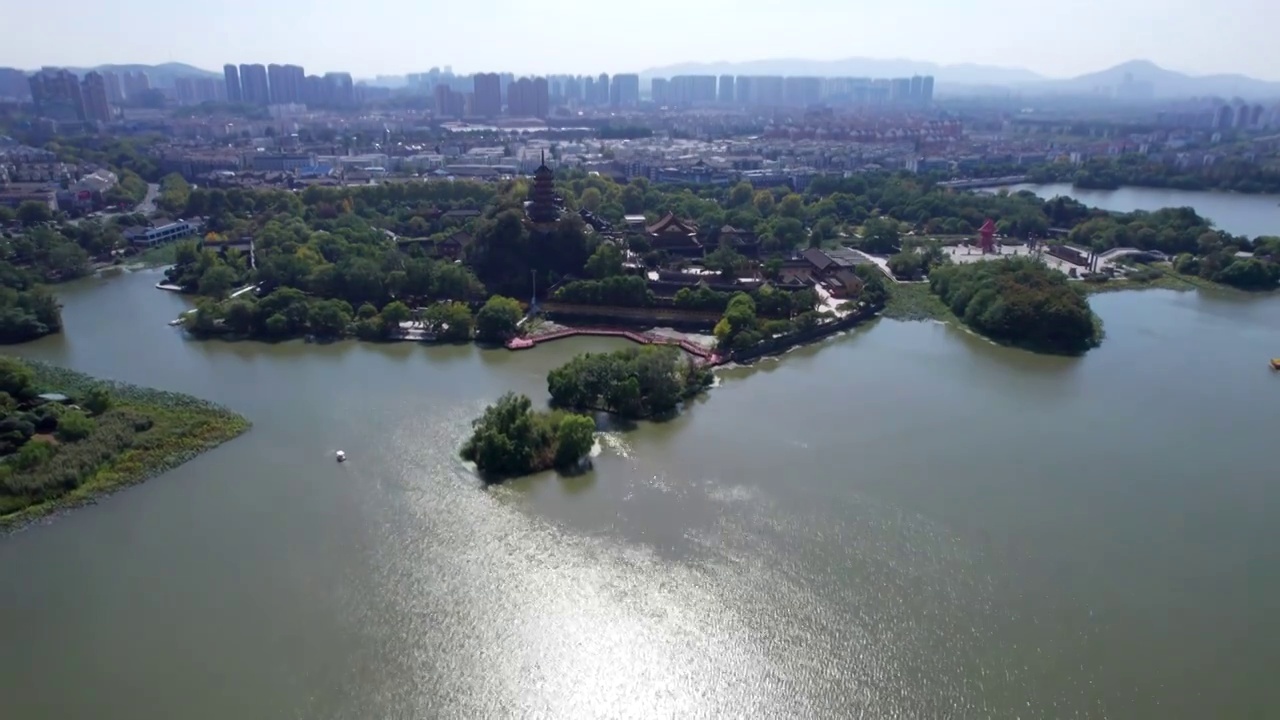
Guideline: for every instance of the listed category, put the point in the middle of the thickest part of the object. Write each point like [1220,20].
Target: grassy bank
[159,256]
[1166,278]
[177,428]
[913,301]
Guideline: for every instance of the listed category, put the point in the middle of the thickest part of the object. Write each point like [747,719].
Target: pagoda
[543,207]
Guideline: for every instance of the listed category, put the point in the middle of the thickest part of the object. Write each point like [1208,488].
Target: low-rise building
[14,194]
[151,237]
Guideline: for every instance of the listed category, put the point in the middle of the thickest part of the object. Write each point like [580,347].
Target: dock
[703,355]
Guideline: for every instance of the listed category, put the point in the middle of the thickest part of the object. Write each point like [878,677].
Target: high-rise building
[193,91]
[313,91]
[93,91]
[626,90]
[135,84]
[573,89]
[487,89]
[900,90]
[13,84]
[276,85]
[760,90]
[115,91]
[802,91]
[340,89]
[693,90]
[660,91]
[449,102]
[254,88]
[588,90]
[602,89]
[231,76]
[917,89]
[286,83]
[57,95]
[926,89]
[725,90]
[529,97]
[209,90]
[541,98]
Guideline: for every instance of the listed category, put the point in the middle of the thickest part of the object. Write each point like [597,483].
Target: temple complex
[675,237]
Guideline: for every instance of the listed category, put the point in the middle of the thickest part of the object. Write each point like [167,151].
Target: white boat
[341,456]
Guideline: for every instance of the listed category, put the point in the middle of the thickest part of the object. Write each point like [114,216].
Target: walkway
[704,355]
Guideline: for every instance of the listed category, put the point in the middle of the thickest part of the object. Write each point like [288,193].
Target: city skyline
[408,38]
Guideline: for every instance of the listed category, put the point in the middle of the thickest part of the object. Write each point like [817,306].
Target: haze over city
[559,36]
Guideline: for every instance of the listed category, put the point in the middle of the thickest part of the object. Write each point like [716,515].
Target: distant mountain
[963,74]
[161,75]
[1163,83]
[971,78]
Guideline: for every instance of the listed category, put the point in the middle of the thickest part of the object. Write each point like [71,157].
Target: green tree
[741,194]
[498,320]
[238,316]
[880,236]
[175,193]
[16,379]
[605,262]
[510,439]
[97,400]
[392,315]
[74,425]
[15,431]
[31,212]
[574,439]
[451,321]
[763,202]
[590,199]
[792,206]
[217,281]
[330,318]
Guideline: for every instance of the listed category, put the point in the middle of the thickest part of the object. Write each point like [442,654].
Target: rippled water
[901,522]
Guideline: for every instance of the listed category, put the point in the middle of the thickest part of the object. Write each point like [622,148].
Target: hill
[1164,83]
[971,78]
[161,75]
[962,74]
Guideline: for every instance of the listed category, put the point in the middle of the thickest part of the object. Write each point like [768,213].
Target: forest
[634,383]
[1235,175]
[1019,301]
[511,439]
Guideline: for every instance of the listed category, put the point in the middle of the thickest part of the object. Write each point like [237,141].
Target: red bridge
[704,355]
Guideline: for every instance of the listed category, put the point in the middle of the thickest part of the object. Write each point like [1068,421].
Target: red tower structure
[988,233]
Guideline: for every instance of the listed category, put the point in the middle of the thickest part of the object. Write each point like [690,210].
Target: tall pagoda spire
[542,206]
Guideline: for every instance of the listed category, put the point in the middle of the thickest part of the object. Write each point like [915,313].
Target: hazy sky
[368,37]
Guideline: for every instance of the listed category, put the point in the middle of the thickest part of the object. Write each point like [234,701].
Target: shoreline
[185,427]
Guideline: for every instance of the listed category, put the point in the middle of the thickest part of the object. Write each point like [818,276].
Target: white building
[151,237]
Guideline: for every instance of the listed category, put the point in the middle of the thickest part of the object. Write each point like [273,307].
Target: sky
[391,37]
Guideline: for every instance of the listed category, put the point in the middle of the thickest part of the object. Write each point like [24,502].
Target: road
[148,204]
[146,207]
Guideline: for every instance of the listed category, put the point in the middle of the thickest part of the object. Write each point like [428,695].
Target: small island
[66,438]
[510,439]
[1018,301]
[634,383]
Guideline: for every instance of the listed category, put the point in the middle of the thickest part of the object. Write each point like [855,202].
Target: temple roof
[671,224]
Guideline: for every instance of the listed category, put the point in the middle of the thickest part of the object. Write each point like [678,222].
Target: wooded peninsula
[66,438]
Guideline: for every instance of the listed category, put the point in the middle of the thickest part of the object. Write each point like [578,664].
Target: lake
[1236,213]
[903,521]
